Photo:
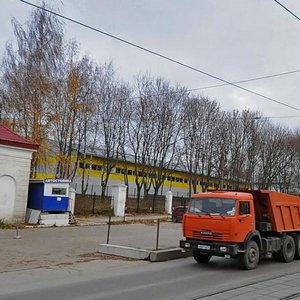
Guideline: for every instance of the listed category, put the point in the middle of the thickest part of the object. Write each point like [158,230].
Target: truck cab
[233,224]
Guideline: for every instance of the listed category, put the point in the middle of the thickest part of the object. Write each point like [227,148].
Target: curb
[168,254]
[142,254]
[123,251]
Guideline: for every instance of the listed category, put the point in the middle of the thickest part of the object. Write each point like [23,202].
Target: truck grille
[213,236]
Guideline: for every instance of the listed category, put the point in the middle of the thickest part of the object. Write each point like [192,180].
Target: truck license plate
[203,247]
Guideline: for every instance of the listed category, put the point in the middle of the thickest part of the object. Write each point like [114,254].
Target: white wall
[14,179]
[7,196]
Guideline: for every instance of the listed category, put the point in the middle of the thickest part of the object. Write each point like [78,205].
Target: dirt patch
[150,222]
[4,225]
[87,257]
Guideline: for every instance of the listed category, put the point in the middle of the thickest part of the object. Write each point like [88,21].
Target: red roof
[11,138]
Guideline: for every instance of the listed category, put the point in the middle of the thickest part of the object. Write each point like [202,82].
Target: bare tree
[140,132]
[199,119]
[111,99]
[153,132]
[27,77]
[273,147]
[168,125]
[72,109]
[221,154]
[253,124]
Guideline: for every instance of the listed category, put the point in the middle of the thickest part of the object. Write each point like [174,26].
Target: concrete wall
[14,179]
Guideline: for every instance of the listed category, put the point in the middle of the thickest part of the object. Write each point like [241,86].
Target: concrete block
[124,251]
[54,219]
[168,254]
[32,216]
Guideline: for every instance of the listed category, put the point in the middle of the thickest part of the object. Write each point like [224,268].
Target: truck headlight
[223,249]
[187,245]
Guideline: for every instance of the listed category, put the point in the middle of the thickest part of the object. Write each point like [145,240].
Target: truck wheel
[201,257]
[287,251]
[297,246]
[250,258]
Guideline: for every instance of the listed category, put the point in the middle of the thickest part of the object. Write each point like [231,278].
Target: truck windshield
[212,206]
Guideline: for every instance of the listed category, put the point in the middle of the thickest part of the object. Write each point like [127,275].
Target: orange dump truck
[244,225]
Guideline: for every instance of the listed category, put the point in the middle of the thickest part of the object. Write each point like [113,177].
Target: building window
[83,165]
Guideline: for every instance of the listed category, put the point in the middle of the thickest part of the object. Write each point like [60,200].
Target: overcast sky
[232,39]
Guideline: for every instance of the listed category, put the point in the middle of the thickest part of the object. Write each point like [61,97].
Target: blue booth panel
[55,203]
[49,203]
[35,194]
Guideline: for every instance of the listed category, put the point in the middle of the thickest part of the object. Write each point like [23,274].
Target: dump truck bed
[281,210]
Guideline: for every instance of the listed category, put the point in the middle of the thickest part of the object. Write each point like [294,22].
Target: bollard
[17,236]
[108,230]
[157,234]
[94,203]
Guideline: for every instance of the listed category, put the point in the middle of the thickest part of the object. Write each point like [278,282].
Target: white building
[15,157]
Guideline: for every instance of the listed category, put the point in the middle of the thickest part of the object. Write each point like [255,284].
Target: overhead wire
[161,55]
[278,117]
[218,85]
[246,80]
[288,10]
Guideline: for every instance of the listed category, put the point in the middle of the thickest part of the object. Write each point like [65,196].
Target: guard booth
[48,201]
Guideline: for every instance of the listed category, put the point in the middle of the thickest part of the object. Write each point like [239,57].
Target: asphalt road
[179,279]
[61,263]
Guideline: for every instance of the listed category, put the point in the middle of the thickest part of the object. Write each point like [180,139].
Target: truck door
[245,218]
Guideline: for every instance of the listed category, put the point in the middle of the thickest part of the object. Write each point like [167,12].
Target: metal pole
[94,200]
[157,234]
[108,230]
[17,236]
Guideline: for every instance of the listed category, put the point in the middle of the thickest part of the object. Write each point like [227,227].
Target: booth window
[59,191]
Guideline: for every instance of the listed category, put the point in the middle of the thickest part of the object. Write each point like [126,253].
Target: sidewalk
[54,246]
[283,287]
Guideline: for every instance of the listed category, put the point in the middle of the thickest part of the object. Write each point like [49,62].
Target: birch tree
[27,77]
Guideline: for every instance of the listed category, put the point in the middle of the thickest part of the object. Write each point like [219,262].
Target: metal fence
[86,204]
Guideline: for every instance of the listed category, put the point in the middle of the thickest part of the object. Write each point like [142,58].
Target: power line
[225,84]
[288,10]
[159,55]
[220,85]
[246,80]
[279,117]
